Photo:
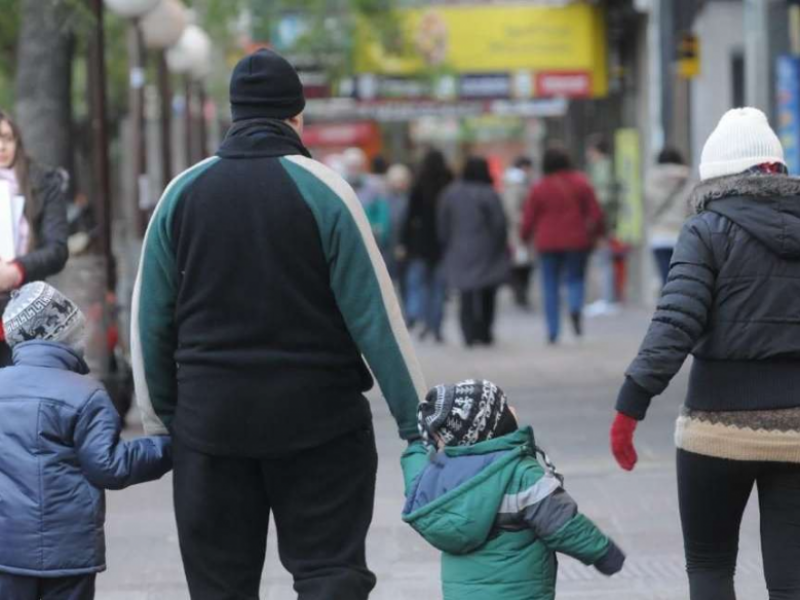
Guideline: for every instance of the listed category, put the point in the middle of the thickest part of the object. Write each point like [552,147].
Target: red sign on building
[564,84]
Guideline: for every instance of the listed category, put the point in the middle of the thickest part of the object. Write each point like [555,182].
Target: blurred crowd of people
[446,232]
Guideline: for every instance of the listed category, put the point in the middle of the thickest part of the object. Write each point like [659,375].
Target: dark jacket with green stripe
[499,518]
[260,290]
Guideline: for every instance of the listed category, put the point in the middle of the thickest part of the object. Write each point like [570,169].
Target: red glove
[622,441]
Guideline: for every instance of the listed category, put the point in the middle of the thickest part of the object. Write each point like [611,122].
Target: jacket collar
[50,355]
[516,439]
[261,138]
[751,186]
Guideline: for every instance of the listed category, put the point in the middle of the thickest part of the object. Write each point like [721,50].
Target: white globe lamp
[163,26]
[191,55]
[131,9]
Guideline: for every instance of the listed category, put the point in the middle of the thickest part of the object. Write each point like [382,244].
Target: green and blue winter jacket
[499,519]
[260,295]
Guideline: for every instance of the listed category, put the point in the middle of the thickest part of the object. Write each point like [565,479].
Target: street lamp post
[202,124]
[138,122]
[99,125]
[162,27]
[188,120]
[190,57]
[134,10]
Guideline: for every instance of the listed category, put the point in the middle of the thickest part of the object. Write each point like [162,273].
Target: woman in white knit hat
[732,300]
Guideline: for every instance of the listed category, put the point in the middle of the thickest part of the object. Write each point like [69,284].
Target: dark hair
[508,424]
[379,165]
[476,169]
[433,175]
[600,143]
[523,162]
[670,156]
[22,168]
[556,159]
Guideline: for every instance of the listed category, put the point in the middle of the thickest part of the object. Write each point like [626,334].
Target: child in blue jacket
[60,447]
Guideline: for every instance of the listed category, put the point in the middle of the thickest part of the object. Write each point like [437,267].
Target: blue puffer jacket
[59,448]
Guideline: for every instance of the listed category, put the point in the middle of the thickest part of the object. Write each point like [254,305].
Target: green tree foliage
[9,28]
[325,34]
[328,36]
[329,27]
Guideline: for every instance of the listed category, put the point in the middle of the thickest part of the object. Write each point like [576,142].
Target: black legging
[477,315]
[713,494]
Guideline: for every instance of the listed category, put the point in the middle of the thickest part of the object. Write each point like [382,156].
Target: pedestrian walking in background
[260,289]
[610,253]
[667,188]
[731,301]
[565,222]
[398,186]
[420,238]
[60,448]
[476,490]
[516,185]
[33,219]
[371,192]
[473,234]
[379,167]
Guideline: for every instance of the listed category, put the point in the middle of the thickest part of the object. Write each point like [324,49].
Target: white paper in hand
[7,224]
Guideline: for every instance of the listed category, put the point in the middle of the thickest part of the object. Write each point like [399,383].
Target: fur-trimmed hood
[754,186]
[766,206]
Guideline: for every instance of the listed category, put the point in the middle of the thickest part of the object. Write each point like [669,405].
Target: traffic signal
[688,55]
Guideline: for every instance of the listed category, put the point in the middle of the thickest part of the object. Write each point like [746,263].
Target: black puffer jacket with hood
[732,300]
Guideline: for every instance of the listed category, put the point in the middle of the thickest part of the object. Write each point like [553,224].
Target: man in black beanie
[260,290]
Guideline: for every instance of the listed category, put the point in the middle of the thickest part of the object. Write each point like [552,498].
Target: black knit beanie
[265,85]
[466,413]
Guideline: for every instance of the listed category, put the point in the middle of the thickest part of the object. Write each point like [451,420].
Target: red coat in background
[562,214]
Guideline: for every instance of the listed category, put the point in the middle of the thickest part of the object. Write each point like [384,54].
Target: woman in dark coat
[472,230]
[731,301]
[40,235]
[425,288]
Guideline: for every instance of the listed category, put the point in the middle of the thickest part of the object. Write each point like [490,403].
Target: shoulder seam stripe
[348,198]
[143,400]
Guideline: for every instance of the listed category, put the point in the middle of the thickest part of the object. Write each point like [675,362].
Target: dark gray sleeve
[443,219]
[499,222]
[551,513]
[679,322]
[612,561]
[50,229]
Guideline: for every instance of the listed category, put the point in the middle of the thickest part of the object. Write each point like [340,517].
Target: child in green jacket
[486,502]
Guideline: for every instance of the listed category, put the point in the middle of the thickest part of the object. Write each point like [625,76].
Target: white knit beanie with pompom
[742,140]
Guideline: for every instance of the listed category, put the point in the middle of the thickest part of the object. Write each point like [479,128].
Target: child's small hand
[413,461]
[612,561]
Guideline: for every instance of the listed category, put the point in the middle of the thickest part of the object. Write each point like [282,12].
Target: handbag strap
[667,202]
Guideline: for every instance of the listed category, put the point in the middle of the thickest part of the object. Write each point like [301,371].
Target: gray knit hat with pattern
[38,311]
[463,414]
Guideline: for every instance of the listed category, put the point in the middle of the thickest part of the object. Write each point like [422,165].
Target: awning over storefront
[400,110]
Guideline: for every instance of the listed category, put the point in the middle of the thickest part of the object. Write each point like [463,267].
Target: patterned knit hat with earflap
[38,311]
[465,413]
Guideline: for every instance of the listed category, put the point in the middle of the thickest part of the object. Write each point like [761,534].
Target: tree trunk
[44,81]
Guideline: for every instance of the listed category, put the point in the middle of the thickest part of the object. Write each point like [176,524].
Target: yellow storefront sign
[482,39]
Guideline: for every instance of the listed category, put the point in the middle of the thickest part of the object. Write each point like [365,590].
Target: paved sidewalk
[567,394]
